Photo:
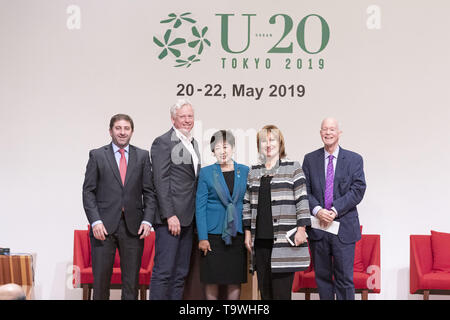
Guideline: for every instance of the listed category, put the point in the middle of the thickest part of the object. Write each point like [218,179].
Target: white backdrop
[64,73]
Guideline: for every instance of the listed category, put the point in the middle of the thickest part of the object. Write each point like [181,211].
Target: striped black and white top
[290,209]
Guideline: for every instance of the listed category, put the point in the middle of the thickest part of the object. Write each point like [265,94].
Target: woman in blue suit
[220,194]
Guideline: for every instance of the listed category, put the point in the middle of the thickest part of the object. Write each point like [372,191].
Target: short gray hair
[338,123]
[178,105]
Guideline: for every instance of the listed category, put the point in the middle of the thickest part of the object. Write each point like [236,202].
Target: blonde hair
[265,131]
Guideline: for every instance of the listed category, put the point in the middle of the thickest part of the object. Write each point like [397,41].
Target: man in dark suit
[119,202]
[176,164]
[336,185]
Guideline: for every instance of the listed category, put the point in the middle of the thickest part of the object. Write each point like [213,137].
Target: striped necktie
[329,183]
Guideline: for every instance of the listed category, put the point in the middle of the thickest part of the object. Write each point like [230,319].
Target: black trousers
[103,254]
[272,285]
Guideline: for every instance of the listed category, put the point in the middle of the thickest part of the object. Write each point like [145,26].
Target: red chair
[83,265]
[367,272]
[422,278]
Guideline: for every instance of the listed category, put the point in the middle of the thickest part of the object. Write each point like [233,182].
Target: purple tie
[329,183]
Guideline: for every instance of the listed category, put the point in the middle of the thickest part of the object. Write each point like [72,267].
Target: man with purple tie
[336,185]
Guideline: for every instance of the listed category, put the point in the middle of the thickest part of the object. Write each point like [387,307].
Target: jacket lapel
[236,184]
[112,162]
[340,165]
[321,164]
[179,150]
[223,187]
[220,184]
[237,181]
[131,165]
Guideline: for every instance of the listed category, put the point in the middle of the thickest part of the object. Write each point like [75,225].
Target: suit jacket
[174,179]
[104,195]
[348,190]
[210,210]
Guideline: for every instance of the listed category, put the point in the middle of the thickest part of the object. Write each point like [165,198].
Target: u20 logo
[288,25]
[184,40]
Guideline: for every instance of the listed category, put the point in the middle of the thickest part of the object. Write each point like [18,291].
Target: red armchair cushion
[436,281]
[440,244]
[360,280]
[358,265]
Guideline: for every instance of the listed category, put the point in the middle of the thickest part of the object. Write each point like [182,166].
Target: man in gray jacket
[119,202]
[176,164]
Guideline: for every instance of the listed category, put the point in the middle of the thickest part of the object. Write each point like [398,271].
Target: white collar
[182,136]
[335,153]
[116,148]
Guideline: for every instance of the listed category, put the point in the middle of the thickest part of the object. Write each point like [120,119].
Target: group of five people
[229,208]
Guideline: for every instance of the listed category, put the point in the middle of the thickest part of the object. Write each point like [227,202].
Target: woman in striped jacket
[275,205]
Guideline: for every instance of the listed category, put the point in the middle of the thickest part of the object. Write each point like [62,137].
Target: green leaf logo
[187,63]
[178,19]
[201,39]
[168,46]
[174,41]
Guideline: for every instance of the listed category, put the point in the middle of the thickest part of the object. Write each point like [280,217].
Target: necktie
[122,165]
[329,184]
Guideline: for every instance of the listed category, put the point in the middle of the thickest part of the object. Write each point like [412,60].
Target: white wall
[59,87]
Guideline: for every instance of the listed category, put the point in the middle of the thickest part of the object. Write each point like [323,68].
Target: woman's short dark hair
[119,117]
[222,136]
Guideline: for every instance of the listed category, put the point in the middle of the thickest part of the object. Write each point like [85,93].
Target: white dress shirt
[117,154]
[187,142]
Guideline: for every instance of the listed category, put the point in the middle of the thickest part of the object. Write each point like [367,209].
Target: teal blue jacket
[210,209]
